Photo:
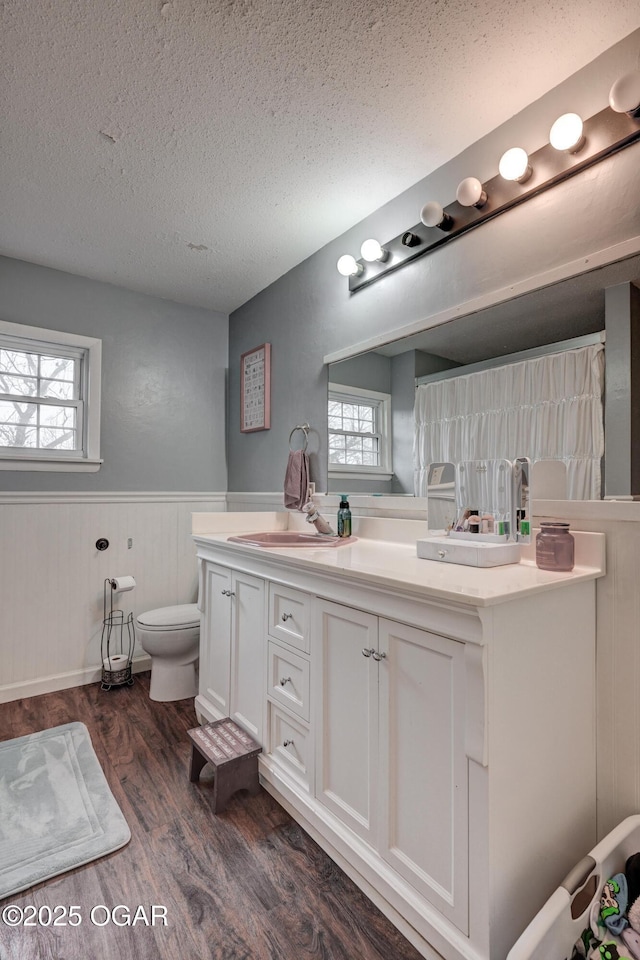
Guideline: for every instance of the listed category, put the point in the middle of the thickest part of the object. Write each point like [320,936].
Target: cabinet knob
[379,656]
[287,743]
[286,616]
[442,554]
[366,652]
[226,593]
[284,680]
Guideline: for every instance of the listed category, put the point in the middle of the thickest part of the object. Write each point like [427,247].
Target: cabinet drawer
[289,679]
[290,743]
[289,616]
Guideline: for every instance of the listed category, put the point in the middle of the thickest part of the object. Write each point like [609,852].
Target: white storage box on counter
[488,517]
[475,553]
[555,929]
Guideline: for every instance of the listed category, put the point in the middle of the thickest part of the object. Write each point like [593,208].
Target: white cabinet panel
[347,695]
[215,651]
[232,647]
[248,641]
[423,830]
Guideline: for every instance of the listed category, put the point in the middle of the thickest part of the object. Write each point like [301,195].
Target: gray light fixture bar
[605,133]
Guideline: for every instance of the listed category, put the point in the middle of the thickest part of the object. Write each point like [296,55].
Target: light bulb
[371,250]
[624,96]
[470,193]
[432,215]
[566,133]
[348,266]
[514,165]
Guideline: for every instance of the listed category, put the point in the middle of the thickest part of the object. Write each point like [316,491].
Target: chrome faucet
[317,520]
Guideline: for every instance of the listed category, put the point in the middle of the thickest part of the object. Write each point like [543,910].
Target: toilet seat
[181,617]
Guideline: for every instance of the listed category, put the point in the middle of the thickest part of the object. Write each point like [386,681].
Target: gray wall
[163,381]
[370,371]
[309,312]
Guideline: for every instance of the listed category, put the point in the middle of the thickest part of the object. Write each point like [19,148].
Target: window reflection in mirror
[373,452]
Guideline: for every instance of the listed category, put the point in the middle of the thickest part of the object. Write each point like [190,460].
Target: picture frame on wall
[255,389]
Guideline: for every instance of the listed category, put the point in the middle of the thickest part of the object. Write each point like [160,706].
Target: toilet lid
[182,615]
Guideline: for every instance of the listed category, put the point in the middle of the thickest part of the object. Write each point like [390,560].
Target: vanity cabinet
[431,727]
[391,761]
[232,647]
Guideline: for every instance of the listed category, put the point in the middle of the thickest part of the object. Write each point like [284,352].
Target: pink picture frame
[255,389]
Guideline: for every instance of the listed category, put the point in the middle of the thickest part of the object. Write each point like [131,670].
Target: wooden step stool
[233,755]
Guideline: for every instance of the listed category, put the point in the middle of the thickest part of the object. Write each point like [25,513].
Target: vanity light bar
[603,134]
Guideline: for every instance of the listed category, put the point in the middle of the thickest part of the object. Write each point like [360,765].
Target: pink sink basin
[290,538]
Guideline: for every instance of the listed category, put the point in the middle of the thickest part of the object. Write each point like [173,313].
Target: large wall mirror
[373,392]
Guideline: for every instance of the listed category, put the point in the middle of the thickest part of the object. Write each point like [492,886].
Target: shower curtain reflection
[547,408]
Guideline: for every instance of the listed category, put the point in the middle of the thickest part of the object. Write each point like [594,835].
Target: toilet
[171,635]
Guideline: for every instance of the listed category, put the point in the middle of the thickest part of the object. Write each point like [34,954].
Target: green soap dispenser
[344,517]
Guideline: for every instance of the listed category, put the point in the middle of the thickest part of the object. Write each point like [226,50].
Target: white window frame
[20,337]
[343,392]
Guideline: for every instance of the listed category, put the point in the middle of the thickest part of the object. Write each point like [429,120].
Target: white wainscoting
[617,652]
[52,576]
[265,502]
[365,505]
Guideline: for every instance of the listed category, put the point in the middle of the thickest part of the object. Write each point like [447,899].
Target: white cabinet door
[215,659]
[347,698]
[423,776]
[248,652]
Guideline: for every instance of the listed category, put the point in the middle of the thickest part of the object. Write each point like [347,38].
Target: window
[359,433]
[49,400]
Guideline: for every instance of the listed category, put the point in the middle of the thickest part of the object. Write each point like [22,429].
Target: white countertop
[393,564]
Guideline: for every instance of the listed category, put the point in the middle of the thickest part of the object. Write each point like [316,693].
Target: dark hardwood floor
[248,884]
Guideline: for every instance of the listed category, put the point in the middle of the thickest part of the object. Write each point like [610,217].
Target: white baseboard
[61,681]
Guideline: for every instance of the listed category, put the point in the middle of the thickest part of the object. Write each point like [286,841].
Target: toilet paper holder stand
[117,642]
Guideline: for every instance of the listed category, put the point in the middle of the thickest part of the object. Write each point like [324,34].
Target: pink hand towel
[296,480]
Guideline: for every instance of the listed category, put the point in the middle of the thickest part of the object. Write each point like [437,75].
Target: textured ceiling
[199,149]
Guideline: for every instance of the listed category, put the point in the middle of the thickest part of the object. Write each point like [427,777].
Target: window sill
[359,474]
[66,465]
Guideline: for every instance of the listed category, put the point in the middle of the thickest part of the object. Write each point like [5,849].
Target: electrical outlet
[312,490]
[129,543]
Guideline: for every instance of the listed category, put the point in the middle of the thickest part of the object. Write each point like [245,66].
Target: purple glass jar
[555,547]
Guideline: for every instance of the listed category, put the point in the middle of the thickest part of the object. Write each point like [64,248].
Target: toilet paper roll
[117,661]
[122,584]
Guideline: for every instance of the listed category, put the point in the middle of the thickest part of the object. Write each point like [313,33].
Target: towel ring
[305,429]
